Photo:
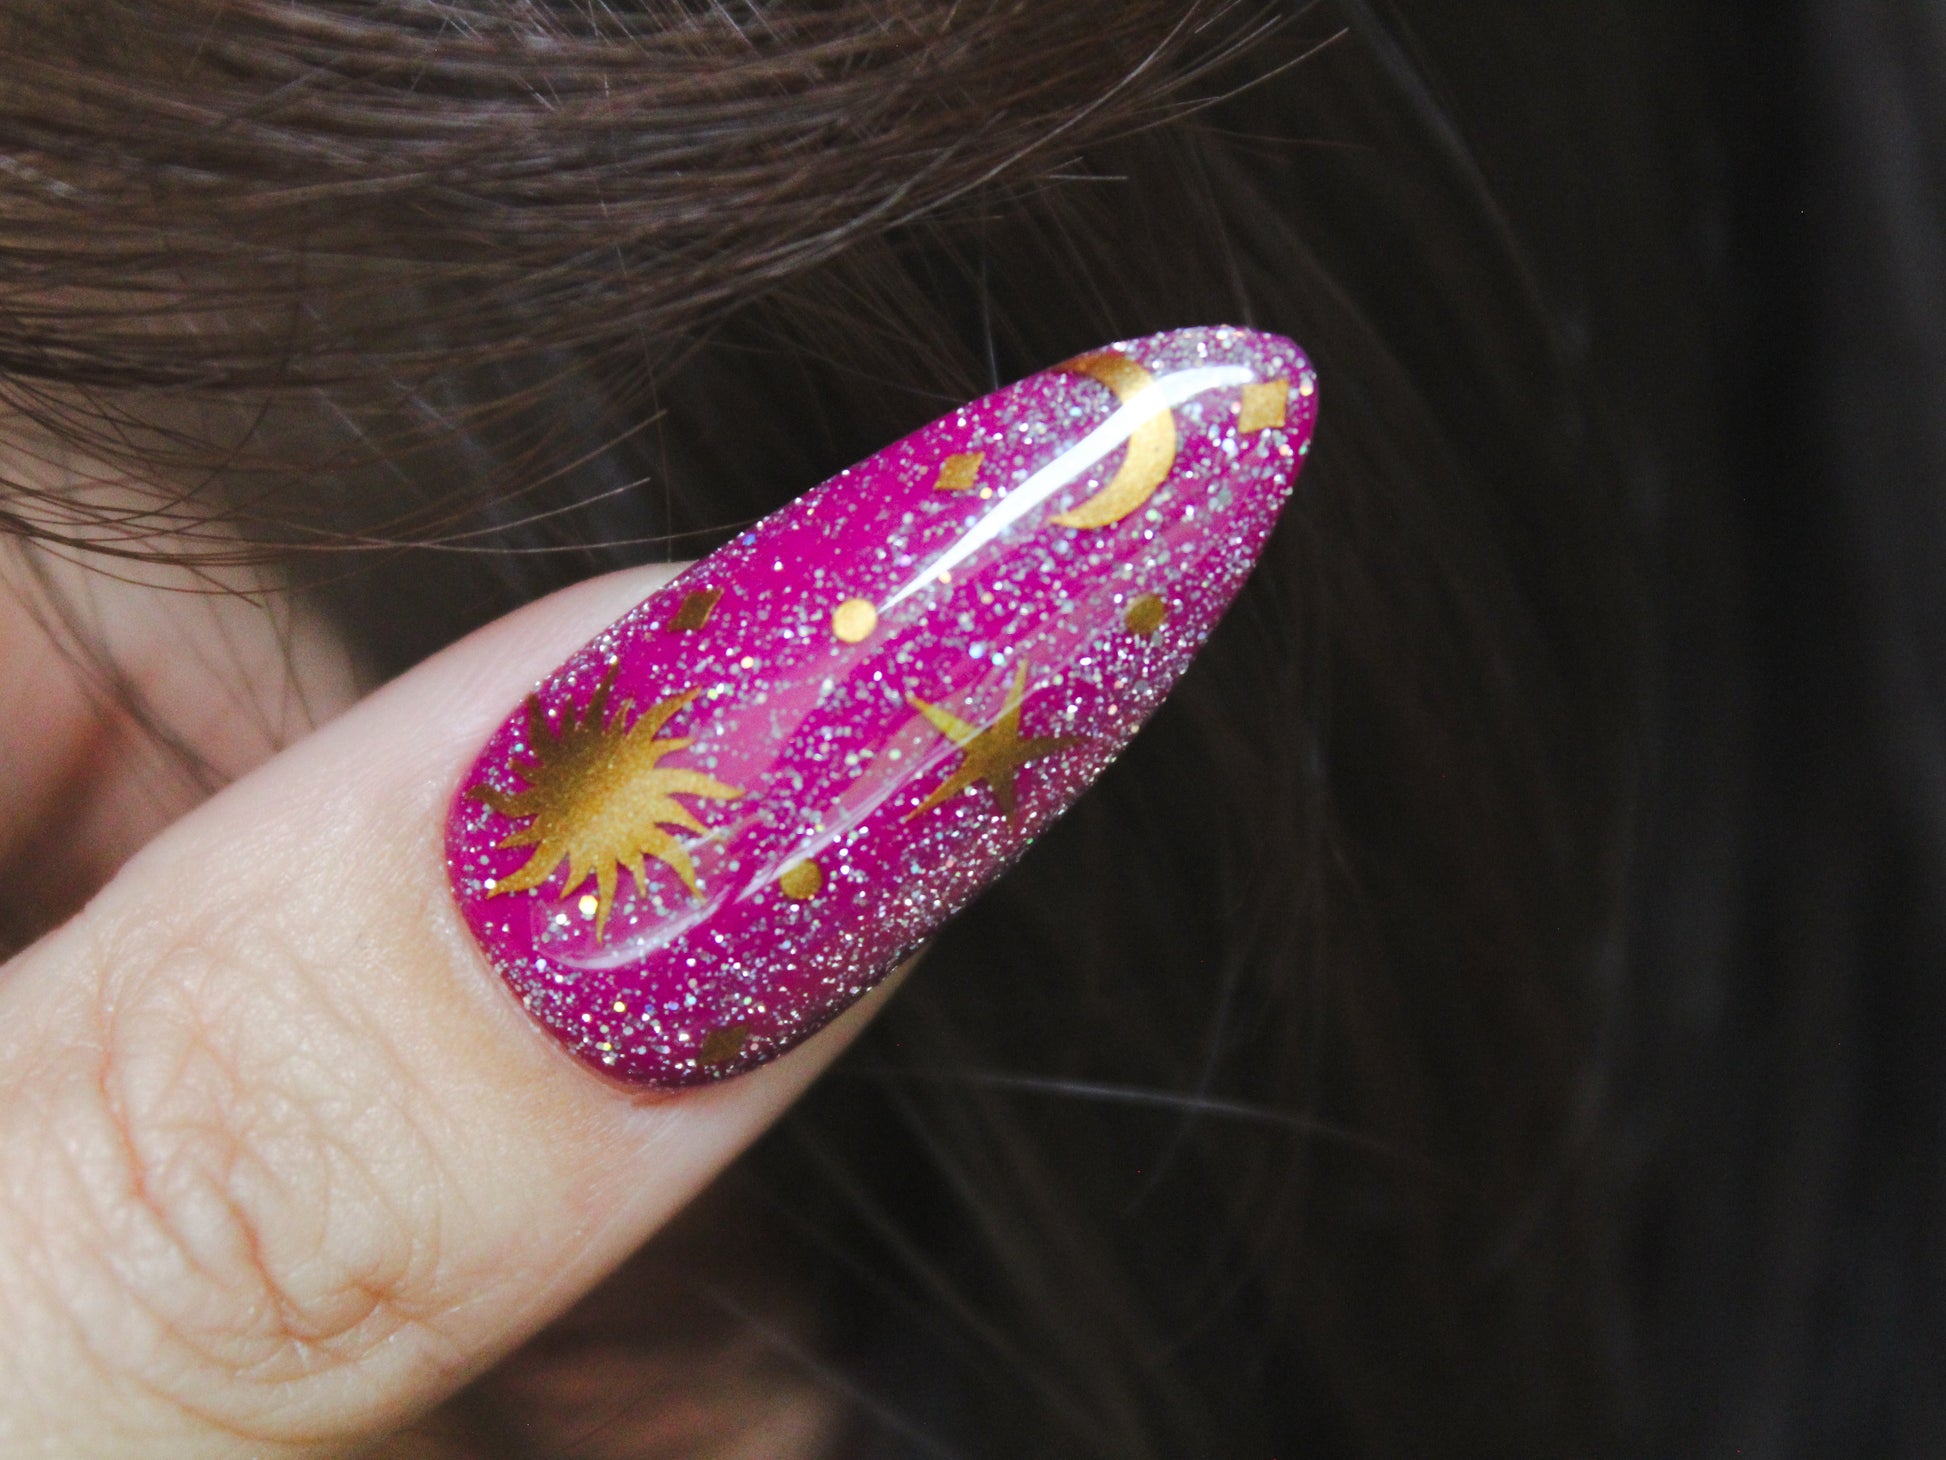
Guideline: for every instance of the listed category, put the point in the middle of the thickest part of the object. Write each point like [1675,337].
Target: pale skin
[281,1162]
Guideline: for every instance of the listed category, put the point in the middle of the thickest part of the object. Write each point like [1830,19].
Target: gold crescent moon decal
[1151,446]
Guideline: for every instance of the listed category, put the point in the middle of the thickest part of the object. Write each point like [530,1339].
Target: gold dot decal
[696,609]
[1265,405]
[854,619]
[960,473]
[802,881]
[1145,615]
[720,1046]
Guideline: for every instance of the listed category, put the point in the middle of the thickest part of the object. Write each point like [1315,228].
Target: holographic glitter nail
[746,801]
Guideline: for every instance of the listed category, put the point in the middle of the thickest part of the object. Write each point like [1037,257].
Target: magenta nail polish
[742,804]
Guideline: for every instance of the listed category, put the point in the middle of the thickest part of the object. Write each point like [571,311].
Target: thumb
[281,1162]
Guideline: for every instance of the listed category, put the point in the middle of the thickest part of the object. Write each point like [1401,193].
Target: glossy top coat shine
[737,809]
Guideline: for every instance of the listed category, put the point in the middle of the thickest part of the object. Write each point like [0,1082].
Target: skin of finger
[227,666]
[282,1160]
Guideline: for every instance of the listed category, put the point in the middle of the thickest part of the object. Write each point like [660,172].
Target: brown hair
[1309,1089]
[515,276]
[290,240]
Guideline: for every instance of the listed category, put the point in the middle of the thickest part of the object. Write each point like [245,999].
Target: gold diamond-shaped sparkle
[720,1046]
[1265,405]
[960,472]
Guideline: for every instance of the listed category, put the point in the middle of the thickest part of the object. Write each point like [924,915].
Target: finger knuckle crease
[250,1193]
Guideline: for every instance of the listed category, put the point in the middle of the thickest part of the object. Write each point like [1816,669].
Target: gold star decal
[994,754]
[598,799]
[696,609]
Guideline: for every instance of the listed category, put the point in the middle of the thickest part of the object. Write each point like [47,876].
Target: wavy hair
[1493,1008]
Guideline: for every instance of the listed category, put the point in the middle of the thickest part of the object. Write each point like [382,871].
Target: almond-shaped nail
[742,804]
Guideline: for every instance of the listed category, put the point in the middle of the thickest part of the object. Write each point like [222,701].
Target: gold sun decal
[596,798]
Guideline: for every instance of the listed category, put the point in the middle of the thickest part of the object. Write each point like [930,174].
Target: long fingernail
[742,804]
